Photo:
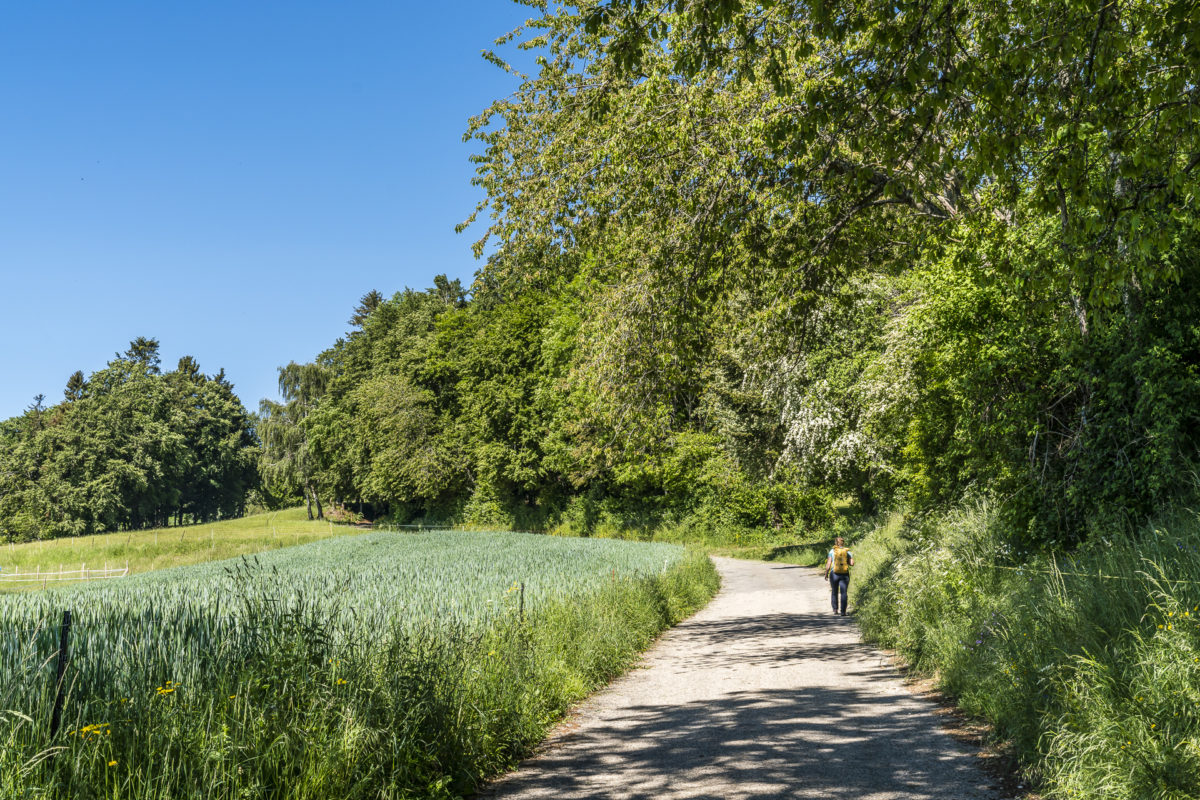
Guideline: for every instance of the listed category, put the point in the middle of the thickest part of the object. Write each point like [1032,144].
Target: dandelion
[112,763]
[340,681]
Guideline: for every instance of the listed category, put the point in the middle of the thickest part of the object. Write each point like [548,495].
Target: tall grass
[378,666]
[1088,662]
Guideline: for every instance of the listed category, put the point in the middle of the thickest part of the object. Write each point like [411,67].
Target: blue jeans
[839,585]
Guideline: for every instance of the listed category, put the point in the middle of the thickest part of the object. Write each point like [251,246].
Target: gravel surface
[763,694]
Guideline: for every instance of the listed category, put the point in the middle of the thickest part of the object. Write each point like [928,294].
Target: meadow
[379,665]
[158,548]
[1086,663]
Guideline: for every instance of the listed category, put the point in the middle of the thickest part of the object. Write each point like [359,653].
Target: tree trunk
[308,500]
[320,511]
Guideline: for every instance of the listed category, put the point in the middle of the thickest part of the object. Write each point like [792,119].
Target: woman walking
[837,571]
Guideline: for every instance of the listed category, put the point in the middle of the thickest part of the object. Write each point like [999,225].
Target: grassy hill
[166,547]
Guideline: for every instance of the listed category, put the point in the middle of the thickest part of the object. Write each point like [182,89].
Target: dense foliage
[749,255]
[376,666]
[129,447]
[442,408]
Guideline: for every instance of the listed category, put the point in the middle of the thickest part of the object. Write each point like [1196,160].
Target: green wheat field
[378,665]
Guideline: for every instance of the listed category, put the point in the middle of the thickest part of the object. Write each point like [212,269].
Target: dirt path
[763,694]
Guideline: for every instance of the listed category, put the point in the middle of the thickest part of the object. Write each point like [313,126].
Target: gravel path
[763,694]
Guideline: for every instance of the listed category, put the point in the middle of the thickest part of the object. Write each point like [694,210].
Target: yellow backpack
[841,560]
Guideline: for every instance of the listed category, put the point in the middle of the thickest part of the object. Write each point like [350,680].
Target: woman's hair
[839,542]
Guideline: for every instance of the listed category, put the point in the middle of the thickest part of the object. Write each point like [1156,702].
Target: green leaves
[876,246]
[130,447]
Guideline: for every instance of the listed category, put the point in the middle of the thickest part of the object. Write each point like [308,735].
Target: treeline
[443,408]
[751,256]
[128,447]
[921,388]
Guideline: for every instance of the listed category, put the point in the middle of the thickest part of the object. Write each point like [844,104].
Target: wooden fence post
[64,656]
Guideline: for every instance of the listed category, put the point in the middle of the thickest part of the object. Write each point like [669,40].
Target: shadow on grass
[807,554]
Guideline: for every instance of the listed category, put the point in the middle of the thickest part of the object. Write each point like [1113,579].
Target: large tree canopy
[728,178]
[745,256]
[1090,108]
[838,122]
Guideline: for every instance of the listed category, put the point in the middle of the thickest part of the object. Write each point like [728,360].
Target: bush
[1087,662]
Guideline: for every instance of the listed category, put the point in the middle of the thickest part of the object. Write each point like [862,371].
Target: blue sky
[228,177]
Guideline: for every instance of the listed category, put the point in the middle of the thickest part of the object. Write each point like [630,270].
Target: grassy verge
[160,548]
[384,666]
[1088,663]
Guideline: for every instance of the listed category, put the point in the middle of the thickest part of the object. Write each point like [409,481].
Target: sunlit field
[379,665]
[156,549]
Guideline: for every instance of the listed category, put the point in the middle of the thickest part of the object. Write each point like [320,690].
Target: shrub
[1087,662]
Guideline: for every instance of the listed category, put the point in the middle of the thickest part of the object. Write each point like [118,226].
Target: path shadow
[747,714]
[763,744]
[775,640]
